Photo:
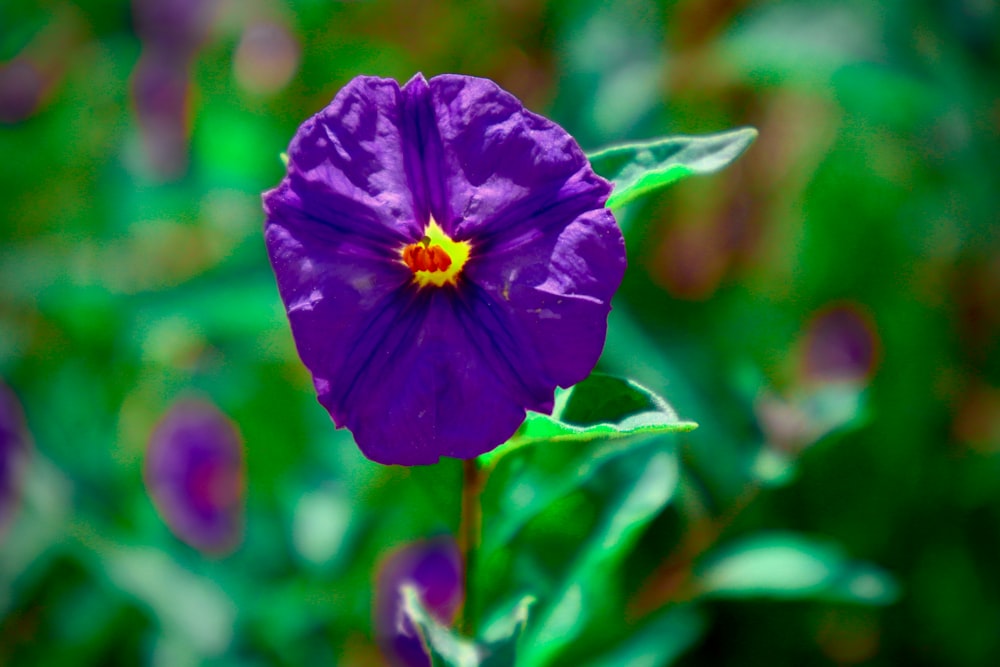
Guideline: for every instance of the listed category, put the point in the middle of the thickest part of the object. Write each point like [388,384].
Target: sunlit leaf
[788,566]
[601,407]
[636,169]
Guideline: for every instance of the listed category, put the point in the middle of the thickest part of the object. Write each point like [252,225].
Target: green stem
[468,540]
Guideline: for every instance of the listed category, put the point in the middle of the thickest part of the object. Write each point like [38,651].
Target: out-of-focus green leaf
[646,485]
[446,648]
[192,608]
[601,407]
[636,169]
[659,642]
[789,566]
[790,426]
[501,637]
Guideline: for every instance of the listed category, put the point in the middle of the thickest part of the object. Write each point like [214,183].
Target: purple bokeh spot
[194,473]
[174,26]
[14,446]
[161,91]
[434,568]
[840,345]
[21,87]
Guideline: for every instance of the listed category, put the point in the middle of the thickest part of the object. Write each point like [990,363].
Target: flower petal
[502,165]
[353,164]
[556,291]
[432,380]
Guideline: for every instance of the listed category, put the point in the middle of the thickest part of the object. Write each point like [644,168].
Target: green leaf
[791,425]
[658,642]
[192,608]
[445,648]
[636,169]
[601,407]
[501,637]
[788,566]
[593,423]
[647,482]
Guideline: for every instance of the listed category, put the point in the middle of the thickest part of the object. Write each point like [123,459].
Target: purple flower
[194,473]
[13,451]
[446,261]
[434,568]
[840,345]
[174,26]
[161,91]
[22,86]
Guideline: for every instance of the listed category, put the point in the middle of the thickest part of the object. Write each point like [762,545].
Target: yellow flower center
[435,259]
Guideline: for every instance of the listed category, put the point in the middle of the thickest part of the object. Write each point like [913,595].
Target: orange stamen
[436,259]
[439,258]
[422,257]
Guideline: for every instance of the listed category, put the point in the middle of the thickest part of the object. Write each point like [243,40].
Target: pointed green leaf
[593,423]
[636,169]
[788,566]
[602,407]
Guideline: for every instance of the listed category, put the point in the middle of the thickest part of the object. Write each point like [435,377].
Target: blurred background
[827,308]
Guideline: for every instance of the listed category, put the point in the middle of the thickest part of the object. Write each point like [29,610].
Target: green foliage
[659,641]
[788,566]
[445,648]
[640,168]
[600,408]
[643,542]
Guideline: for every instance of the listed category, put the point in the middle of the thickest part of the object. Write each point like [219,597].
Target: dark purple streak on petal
[556,291]
[425,389]
[336,289]
[347,164]
[503,164]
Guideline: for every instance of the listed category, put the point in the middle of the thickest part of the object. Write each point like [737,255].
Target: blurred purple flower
[840,345]
[171,32]
[173,26]
[266,58]
[446,261]
[22,85]
[161,90]
[194,473]
[13,452]
[434,568]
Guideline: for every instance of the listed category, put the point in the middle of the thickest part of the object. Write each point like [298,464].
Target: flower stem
[468,540]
